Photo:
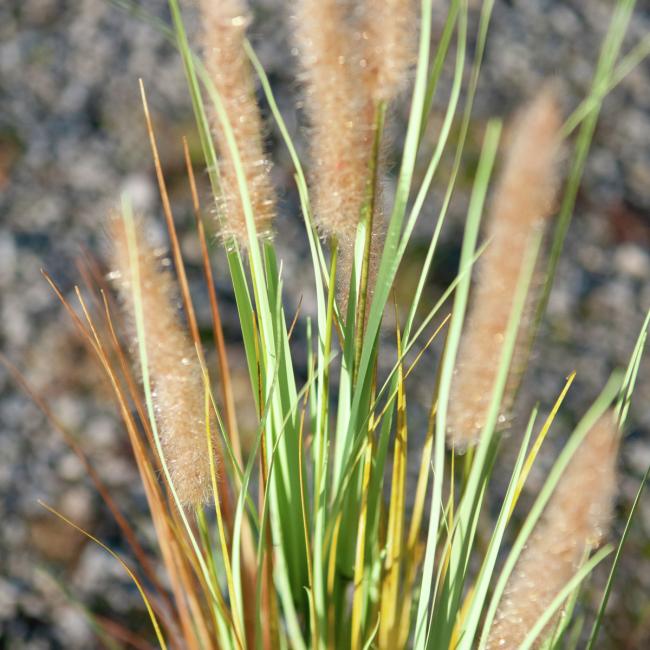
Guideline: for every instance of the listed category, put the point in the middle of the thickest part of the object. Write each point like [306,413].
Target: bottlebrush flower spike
[522,205]
[174,370]
[389,40]
[224,24]
[575,520]
[336,109]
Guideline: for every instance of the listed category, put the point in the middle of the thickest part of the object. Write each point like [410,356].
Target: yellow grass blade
[331,577]
[132,575]
[452,483]
[421,487]
[305,522]
[414,547]
[236,614]
[410,369]
[99,484]
[388,624]
[460,619]
[357,602]
[539,440]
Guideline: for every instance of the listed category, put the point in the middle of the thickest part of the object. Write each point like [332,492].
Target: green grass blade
[318,258]
[593,637]
[438,62]
[575,440]
[556,604]
[592,102]
[629,381]
[483,457]
[485,574]
[602,76]
[475,210]
[389,263]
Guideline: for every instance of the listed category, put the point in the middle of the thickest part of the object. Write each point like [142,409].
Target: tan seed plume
[389,36]
[335,106]
[224,24]
[385,36]
[175,373]
[575,520]
[522,204]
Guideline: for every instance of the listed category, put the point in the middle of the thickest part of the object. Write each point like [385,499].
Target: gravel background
[72,139]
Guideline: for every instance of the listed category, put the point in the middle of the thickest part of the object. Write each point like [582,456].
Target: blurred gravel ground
[72,139]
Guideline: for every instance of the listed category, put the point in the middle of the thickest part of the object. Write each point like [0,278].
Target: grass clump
[304,540]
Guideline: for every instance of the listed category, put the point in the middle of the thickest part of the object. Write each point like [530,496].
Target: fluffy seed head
[224,24]
[522,204]
[175,373]
[389,37]
[335,106]
[575,520]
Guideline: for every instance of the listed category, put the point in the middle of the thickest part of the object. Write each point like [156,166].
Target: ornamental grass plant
[312,536]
